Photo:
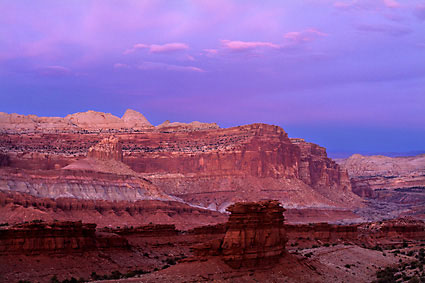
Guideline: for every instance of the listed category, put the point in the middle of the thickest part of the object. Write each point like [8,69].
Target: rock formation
[198,163]
[107,149]
[167,126]
[83,121]
[19,207]
[255,236]
[56,237]
[398,182]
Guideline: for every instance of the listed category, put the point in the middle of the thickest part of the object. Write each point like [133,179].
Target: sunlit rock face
[198,163]
[108,148]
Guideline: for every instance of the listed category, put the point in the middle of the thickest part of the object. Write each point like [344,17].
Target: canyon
[98,197]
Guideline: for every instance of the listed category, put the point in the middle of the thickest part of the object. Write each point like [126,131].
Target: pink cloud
[391,4]
[247,45]
[157,48]
[304,36]
[210,52]
[168,67]
[136,47]
[169,47]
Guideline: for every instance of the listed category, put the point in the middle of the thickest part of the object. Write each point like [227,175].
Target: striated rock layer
[398,182]
[57,237]
[199,164]
[255,236]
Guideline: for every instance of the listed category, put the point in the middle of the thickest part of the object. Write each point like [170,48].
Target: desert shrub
[54,279]
[386,275]
[170,261]
[347,266]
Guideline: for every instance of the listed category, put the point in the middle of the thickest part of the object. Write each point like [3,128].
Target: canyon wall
[198,163]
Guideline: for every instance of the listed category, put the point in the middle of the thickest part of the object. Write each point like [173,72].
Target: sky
[346,74]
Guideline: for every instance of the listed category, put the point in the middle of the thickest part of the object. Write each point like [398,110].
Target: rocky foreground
[254,245]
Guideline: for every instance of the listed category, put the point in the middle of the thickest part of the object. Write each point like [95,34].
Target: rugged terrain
[94,155]
[393,185]
[254,245]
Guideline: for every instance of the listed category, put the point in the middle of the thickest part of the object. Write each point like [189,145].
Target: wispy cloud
[366,4]
[168,67]
[236,45]
[121,66]
[387,29]
[304,36]
[53,71]
[158,48]
[169,47]
[391,4]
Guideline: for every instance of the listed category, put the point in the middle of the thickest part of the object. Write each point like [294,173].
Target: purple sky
[349,75]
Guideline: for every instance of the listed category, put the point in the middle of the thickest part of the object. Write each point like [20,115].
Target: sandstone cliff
[255,236]
[57,237]
[83,121]
[205,165]
[399,181]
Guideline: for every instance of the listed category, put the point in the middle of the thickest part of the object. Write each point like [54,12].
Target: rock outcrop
[19,207]
[168,126]
[84,121]
[255,236]
[56,237]
[200,164]
[395,181]
[383,172]
[107,149]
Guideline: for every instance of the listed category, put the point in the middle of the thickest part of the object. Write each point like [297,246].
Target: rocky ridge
[203,165]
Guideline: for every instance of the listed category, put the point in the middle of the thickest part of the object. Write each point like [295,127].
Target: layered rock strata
[56,237]
[19,207]
[202,165]
[255,236]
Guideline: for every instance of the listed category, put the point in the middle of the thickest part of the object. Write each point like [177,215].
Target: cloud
[391,4]
[210,52]
[158,48]
[53,71]
[168,67]
[366,4]
[169,47]
[304,36]
[420,12]
[121,66]
[247,45]
[387,29]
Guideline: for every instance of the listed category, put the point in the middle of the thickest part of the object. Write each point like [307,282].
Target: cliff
[56,237]
[200,164]
[255,236]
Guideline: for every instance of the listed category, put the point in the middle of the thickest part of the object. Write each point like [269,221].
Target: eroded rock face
[255,236]
[399,181]
[108,148]
[56,237]
[19,207]
[202,165]
[82,121]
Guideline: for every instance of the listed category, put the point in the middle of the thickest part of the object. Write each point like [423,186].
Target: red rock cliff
[255,236]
